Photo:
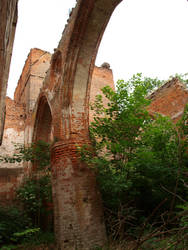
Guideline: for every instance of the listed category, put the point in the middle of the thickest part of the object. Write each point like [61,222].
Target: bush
[35,194]
[12,220]
[139,159]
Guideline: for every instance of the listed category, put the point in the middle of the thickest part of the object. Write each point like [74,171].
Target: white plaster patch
[11,138]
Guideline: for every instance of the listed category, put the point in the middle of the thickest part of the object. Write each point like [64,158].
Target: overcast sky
[148,36]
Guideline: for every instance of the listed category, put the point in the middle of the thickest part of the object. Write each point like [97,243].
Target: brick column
[77,205]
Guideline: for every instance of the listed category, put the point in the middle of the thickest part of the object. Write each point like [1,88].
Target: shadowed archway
[43,122]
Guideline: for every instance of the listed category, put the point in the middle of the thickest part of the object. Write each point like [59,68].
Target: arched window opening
[43,125]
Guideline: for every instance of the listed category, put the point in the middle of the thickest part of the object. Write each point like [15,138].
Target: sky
[147,36]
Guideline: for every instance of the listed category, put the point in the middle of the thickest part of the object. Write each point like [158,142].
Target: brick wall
[11,174]
[101,77]
[10,179]
[170,99]
[18,124]
[8,20]
[31,79]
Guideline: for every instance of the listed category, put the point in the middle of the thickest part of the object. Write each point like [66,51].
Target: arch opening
[43,124]
[42,138]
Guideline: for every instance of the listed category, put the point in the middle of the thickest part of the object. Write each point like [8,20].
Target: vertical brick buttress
[78,209]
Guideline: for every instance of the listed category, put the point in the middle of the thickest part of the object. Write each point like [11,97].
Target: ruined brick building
[169,100]
[20,112]
[55,105]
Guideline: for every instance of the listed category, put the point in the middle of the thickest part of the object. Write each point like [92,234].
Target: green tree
[137,157]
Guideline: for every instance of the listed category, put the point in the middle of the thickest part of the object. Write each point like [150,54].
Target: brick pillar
[77,205]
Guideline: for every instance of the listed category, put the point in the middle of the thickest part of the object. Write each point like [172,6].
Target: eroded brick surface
[31,79]
[101,77]
[170,99]
[18,113]
[79,194]
[11,174]
[8,20]
[59,113]
[79,214]
[10,179]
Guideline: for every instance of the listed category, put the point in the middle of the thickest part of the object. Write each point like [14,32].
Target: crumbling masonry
[20,122]
[8,20]
[58,112]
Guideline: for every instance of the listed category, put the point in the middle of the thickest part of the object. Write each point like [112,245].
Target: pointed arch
[43,123]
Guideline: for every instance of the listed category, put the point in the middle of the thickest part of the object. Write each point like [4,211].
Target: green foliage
[183,215]
[171,243]
[25,235]
[8,247]
[12,220]
[35,193]
[42,238]
[29,239]
[139,159]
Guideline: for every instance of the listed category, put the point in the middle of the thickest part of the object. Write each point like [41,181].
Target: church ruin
[51,102]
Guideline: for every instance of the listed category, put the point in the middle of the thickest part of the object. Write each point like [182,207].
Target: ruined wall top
[170,99]
[33,73]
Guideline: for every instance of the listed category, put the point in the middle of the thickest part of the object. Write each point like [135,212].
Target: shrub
[12,220]
[35,194]
[139,159]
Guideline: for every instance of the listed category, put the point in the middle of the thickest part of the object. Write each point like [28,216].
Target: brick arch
[78,212]
[72,65]
[90,25]
[43,122]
